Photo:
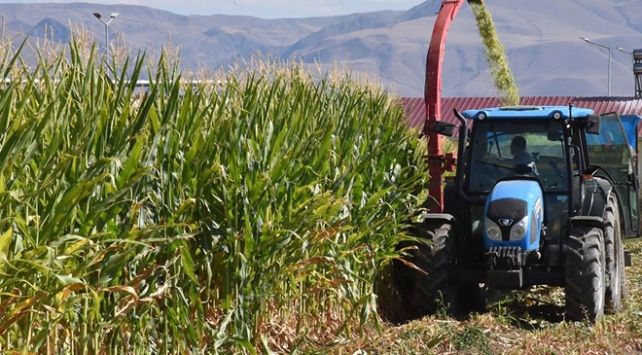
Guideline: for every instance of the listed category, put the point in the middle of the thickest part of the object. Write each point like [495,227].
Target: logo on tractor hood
[505,222]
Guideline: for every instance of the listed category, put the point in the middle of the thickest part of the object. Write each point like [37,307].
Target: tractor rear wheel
[585,283]
[615,277]
[426,283]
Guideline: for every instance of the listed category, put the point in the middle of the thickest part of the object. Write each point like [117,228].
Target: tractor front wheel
[585,283]
[423,276]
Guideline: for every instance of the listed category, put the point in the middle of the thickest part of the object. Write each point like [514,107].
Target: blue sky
[258,8]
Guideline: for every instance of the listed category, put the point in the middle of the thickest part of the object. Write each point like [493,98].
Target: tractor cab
[561,148]
[502,148]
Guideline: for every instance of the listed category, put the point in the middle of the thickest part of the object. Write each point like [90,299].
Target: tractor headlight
[492,230]
[518,231]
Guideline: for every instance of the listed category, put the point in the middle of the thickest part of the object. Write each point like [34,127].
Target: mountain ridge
[541,40]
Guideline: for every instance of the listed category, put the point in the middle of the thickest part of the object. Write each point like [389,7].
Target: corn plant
[240,215]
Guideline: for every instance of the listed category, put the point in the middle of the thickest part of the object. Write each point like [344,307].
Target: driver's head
[517,145]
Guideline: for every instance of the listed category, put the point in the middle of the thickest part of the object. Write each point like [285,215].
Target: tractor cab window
[610,155]
[502,148]
[610,149]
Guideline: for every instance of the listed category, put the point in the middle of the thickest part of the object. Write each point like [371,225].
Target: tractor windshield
[505,147]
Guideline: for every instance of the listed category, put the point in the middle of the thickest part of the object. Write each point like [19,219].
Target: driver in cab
[523,161]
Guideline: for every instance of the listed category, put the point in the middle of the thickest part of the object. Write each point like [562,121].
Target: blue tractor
[541,196]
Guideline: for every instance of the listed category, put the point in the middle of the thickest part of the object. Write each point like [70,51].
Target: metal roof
[415,108]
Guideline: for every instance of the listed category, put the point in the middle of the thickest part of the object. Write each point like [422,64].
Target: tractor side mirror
[446,129]
[593,124]
[554,136]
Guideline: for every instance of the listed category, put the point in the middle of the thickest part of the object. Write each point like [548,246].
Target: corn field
[249,216]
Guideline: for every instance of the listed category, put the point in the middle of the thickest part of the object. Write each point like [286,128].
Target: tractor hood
[513,215]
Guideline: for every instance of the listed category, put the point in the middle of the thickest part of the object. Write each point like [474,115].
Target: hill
[541,39]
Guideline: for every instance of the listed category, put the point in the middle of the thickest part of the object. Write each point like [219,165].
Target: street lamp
[624,51]
[607,48]
[111,18]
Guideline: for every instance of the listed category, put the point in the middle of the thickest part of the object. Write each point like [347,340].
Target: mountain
[541,39]
[50,28]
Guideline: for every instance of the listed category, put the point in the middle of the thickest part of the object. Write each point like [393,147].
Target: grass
[524,322]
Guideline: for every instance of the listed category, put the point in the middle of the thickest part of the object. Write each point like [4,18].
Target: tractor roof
[527,112]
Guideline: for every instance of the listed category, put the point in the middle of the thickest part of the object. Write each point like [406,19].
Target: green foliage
[194,218]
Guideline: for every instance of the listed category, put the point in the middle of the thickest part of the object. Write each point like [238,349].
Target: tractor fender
[596,192]
[437,217]
[586,221]
[428,221]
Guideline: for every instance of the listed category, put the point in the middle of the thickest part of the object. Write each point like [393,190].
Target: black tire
[430,288]
[585,285]
[615,277]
